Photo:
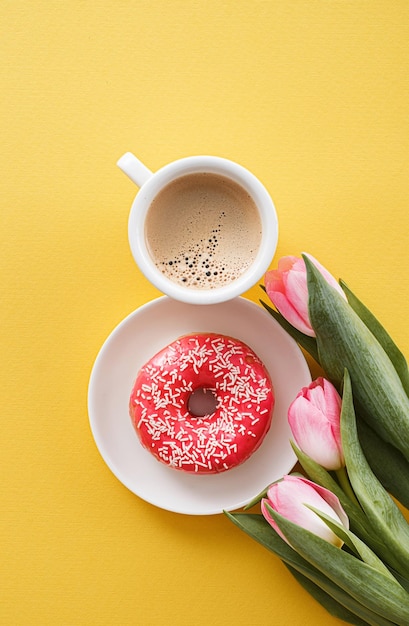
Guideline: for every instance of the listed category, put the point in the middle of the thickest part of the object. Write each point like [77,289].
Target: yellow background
[312,96]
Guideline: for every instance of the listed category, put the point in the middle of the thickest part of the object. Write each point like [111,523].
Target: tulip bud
[314,418]
[291,498]
[287,289]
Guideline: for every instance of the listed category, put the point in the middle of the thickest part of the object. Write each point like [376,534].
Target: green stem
[343,480]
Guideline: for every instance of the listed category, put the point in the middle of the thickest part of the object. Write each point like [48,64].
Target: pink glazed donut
[203,404]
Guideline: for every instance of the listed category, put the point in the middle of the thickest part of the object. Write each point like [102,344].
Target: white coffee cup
[151,183]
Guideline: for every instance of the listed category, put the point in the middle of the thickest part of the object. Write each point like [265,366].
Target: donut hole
[202,402]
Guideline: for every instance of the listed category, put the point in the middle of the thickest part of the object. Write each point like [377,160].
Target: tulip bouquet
[338,524]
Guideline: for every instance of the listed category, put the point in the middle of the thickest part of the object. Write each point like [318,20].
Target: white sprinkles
[212,443]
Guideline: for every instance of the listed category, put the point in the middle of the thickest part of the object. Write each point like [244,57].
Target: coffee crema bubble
[203,230]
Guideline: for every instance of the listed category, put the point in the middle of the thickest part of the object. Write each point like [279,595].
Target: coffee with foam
[203,230]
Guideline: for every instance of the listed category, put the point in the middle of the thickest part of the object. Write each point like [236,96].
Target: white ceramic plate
[133,342]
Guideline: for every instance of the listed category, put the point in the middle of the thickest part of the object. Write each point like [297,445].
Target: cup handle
[134,169]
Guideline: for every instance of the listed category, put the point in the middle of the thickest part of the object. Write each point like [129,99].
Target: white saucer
[133,342]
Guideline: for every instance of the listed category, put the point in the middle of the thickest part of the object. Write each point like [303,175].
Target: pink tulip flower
[287,289]
[289,498]
[314,418]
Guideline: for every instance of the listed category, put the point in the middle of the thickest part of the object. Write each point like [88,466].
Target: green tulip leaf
[375,591]
[404,582]
[328,593]
[387,463]
[381,334]
[382,512]
[309,344]
[332,606]
[344,341]
[257,499]
[353,542]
